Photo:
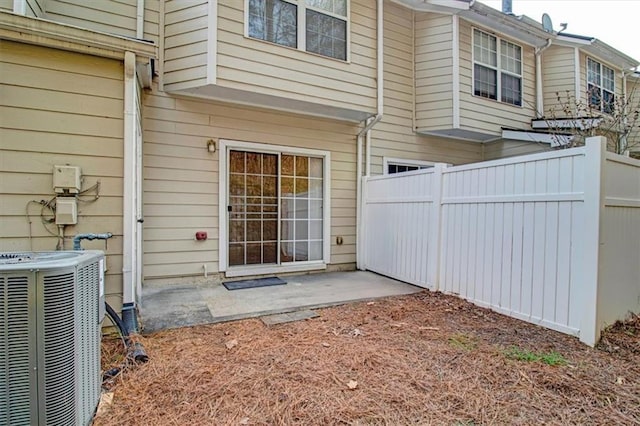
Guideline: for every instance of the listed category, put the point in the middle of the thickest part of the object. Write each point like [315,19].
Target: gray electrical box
[66,179]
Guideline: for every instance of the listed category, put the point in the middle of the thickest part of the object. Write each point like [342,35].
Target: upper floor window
[600,86]
[497,68]
[318,26]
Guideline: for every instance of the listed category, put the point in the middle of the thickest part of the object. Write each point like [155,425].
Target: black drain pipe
[135,350]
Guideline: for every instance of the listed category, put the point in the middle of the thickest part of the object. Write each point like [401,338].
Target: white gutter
[539,91]
[129,221]
[369,123]
[24,29]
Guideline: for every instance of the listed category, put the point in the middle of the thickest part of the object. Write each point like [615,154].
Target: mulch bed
[427,358]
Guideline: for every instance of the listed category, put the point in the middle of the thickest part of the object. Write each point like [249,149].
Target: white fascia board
[563,40]
[438,6]
[40,32]
[566,123]
[548,138]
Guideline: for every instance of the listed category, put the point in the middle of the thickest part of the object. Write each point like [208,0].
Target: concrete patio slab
[181,306]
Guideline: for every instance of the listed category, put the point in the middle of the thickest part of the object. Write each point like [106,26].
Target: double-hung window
[317,26]
[600,86]
[497,68]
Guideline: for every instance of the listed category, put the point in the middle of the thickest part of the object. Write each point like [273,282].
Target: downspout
[138,148]
[140,20]
[129,221]
[577,76]
[20,7]
[539,91]
[368,125]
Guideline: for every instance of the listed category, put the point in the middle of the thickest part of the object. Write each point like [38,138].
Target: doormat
[258,282]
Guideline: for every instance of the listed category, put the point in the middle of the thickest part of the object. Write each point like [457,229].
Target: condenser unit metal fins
[50,345]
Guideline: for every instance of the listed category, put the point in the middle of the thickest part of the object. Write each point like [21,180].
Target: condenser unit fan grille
[59,348]
[15,351]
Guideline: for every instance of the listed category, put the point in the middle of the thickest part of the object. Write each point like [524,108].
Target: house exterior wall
[6,5]
[558,78]
[504,149]
[260,67]
[109,16]
[59,107]
[181,179]
[186,46]
[485,115]
[394,136]
[434,66]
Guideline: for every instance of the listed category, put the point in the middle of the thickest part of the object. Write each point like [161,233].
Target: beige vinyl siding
[109,16]
[35,8]
[394,135]
[59,107]
[257,66]
[6,5]
[185,43]
[503,149]
[558,78]
[434,65]
[181,181]
[485,115]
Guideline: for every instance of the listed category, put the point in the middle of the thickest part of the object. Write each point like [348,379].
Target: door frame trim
[226,145]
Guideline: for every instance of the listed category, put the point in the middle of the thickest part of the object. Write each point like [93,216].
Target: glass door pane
[301,192]
[253,208]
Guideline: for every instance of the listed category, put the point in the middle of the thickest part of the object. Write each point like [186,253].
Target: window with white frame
[497,68]
[396,165]
[600,86]
[317,26]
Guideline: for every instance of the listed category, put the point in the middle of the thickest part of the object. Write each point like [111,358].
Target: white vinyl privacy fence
[552,238]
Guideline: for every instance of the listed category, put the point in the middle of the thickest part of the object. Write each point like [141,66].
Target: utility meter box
[66,211]
[66,179]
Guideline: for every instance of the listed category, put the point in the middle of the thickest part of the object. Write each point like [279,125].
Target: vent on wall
[50,337]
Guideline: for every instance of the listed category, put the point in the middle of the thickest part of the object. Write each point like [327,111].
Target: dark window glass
[274,20]
[485,82]
[326,35]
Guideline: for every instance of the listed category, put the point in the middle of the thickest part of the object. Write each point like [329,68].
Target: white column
[595,156]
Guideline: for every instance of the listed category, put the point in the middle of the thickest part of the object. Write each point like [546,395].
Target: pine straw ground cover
[420,359]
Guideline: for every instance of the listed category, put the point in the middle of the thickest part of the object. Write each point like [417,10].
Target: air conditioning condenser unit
[51,307]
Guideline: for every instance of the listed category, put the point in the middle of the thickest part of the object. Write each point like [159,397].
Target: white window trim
[497,68]
[302,23]
[600,85]
[224,146]
[403,162]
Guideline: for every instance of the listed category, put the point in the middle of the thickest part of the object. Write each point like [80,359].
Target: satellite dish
[547,25]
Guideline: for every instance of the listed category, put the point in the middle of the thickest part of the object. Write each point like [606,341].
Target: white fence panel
[619,276]
[553,238]
[507,230]
[400,226]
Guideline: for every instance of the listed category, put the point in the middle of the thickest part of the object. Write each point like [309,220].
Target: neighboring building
[252,121]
